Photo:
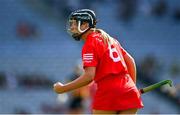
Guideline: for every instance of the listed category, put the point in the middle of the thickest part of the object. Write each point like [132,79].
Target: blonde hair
[107,38]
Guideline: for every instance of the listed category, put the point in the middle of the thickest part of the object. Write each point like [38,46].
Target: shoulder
[92,41]
[94,34]
[94,38]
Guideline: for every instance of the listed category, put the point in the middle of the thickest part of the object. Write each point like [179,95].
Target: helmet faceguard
[83,15]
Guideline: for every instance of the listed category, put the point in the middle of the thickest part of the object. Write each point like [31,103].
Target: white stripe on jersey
[88,54]
[88,57]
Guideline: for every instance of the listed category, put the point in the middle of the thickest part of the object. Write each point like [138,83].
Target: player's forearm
[77,83]
[83,80]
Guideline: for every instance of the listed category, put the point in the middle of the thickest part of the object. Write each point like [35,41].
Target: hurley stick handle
[155,86]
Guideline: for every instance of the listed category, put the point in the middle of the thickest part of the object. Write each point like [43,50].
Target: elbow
[90,73]
[90,77]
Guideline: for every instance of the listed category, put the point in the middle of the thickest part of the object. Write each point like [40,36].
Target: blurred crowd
[9,80]
[127,10]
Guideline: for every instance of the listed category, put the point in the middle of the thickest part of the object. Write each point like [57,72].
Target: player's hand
[58,87]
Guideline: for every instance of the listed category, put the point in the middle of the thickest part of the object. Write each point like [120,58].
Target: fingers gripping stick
[155,86]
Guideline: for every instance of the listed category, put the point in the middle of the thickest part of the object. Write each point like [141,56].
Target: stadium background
[36,51]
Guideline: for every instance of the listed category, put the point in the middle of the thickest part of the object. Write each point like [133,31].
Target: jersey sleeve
[89,56]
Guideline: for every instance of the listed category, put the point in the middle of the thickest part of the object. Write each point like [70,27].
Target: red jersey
[106,57]
[117,90]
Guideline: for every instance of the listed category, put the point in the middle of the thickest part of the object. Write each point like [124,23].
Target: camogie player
[107,64]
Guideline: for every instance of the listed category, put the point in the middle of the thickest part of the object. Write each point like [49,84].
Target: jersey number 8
[114,50]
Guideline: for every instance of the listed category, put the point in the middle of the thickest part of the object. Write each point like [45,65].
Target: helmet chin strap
[77,36]
[79,27]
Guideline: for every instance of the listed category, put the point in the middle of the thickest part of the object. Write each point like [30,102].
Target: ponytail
[107,38]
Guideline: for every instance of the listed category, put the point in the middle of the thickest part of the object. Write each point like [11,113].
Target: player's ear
[85,25]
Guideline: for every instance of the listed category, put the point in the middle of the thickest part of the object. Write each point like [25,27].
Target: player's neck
[84,36]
